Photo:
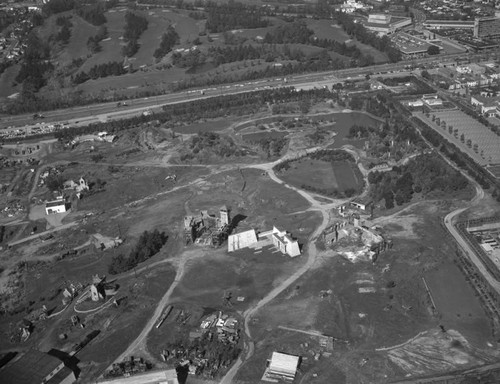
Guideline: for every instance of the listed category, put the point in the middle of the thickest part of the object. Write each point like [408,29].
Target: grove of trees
[148,245]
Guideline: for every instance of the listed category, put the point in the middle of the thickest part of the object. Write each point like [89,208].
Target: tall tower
[224,216]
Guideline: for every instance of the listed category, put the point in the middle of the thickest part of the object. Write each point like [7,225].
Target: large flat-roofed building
[385,24]
[56,206]
[486,27]
[282,366]
[411,46]
[448,24]
[35,367]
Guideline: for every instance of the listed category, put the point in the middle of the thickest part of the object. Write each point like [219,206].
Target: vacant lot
[372,306]
[455,300]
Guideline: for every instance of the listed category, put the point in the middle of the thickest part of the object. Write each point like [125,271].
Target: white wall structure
[241,240]
[286,245]
[56,206]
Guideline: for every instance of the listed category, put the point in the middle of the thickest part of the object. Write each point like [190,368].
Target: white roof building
[283,366]
[286,245]
[56,206]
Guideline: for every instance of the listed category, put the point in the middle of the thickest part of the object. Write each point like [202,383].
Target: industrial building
[486,27]
[386,24]
[35,367]
[281,366]
[448,24]
[280,239]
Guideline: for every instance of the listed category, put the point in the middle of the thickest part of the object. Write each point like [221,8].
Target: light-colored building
[56,206]
[241,240]
[285,244]
[282,366]
[363,205]
[386,24]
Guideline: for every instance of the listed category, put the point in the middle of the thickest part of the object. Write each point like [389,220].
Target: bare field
[374,306]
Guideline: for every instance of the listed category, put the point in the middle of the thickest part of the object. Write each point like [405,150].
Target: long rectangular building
[486,27]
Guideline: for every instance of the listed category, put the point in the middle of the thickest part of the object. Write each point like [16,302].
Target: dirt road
[311,252]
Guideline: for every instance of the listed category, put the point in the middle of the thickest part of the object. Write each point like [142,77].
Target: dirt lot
[394,309]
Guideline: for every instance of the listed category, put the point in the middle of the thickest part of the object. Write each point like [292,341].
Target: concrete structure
[489,106]
[56,206]
[282,367]
[360,204]
[411,46]
[241,240]
[35,367]
[486,27]
[154,377]
[285,244]
[448,24]
[82,185]
[385,24]
[207,229]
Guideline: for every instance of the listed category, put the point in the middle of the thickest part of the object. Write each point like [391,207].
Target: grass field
[322,175]
[257,136]
[324,29]
[7,80]
[455,300]
[77,46]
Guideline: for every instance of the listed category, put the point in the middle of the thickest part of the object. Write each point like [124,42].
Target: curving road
[311,251]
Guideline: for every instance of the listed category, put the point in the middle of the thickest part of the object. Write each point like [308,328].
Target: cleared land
[394,310]
[456,302]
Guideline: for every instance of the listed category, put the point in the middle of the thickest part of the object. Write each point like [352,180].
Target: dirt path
[139,344]
[311,252]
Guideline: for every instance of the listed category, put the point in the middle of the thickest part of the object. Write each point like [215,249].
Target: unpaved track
[141,338]
[312,253]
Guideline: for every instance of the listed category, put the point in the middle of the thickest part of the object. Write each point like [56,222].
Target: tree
[54,182]
[433,50]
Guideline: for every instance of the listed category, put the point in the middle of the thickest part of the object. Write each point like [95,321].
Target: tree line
[135,25]
[168,41]
[233,15]
[424,174]
[240,104]
[111,68]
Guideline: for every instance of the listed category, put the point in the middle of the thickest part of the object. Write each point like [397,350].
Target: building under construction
[207,229]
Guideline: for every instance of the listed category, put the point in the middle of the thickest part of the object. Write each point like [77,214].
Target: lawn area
[207,126]
[7,80]
[324,29]
[322,175]
[77,46]
[112,46]
[257,136]
[456,302]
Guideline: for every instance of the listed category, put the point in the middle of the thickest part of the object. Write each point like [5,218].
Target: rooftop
[32,367]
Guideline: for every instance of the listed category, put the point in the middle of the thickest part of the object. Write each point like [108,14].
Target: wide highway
[84,115]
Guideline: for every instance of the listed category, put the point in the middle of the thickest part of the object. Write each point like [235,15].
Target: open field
[456,302]
[322,175]
[324,29]
[393,310]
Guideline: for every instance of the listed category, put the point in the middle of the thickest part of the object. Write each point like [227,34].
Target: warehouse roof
[33,367]
[284,363]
